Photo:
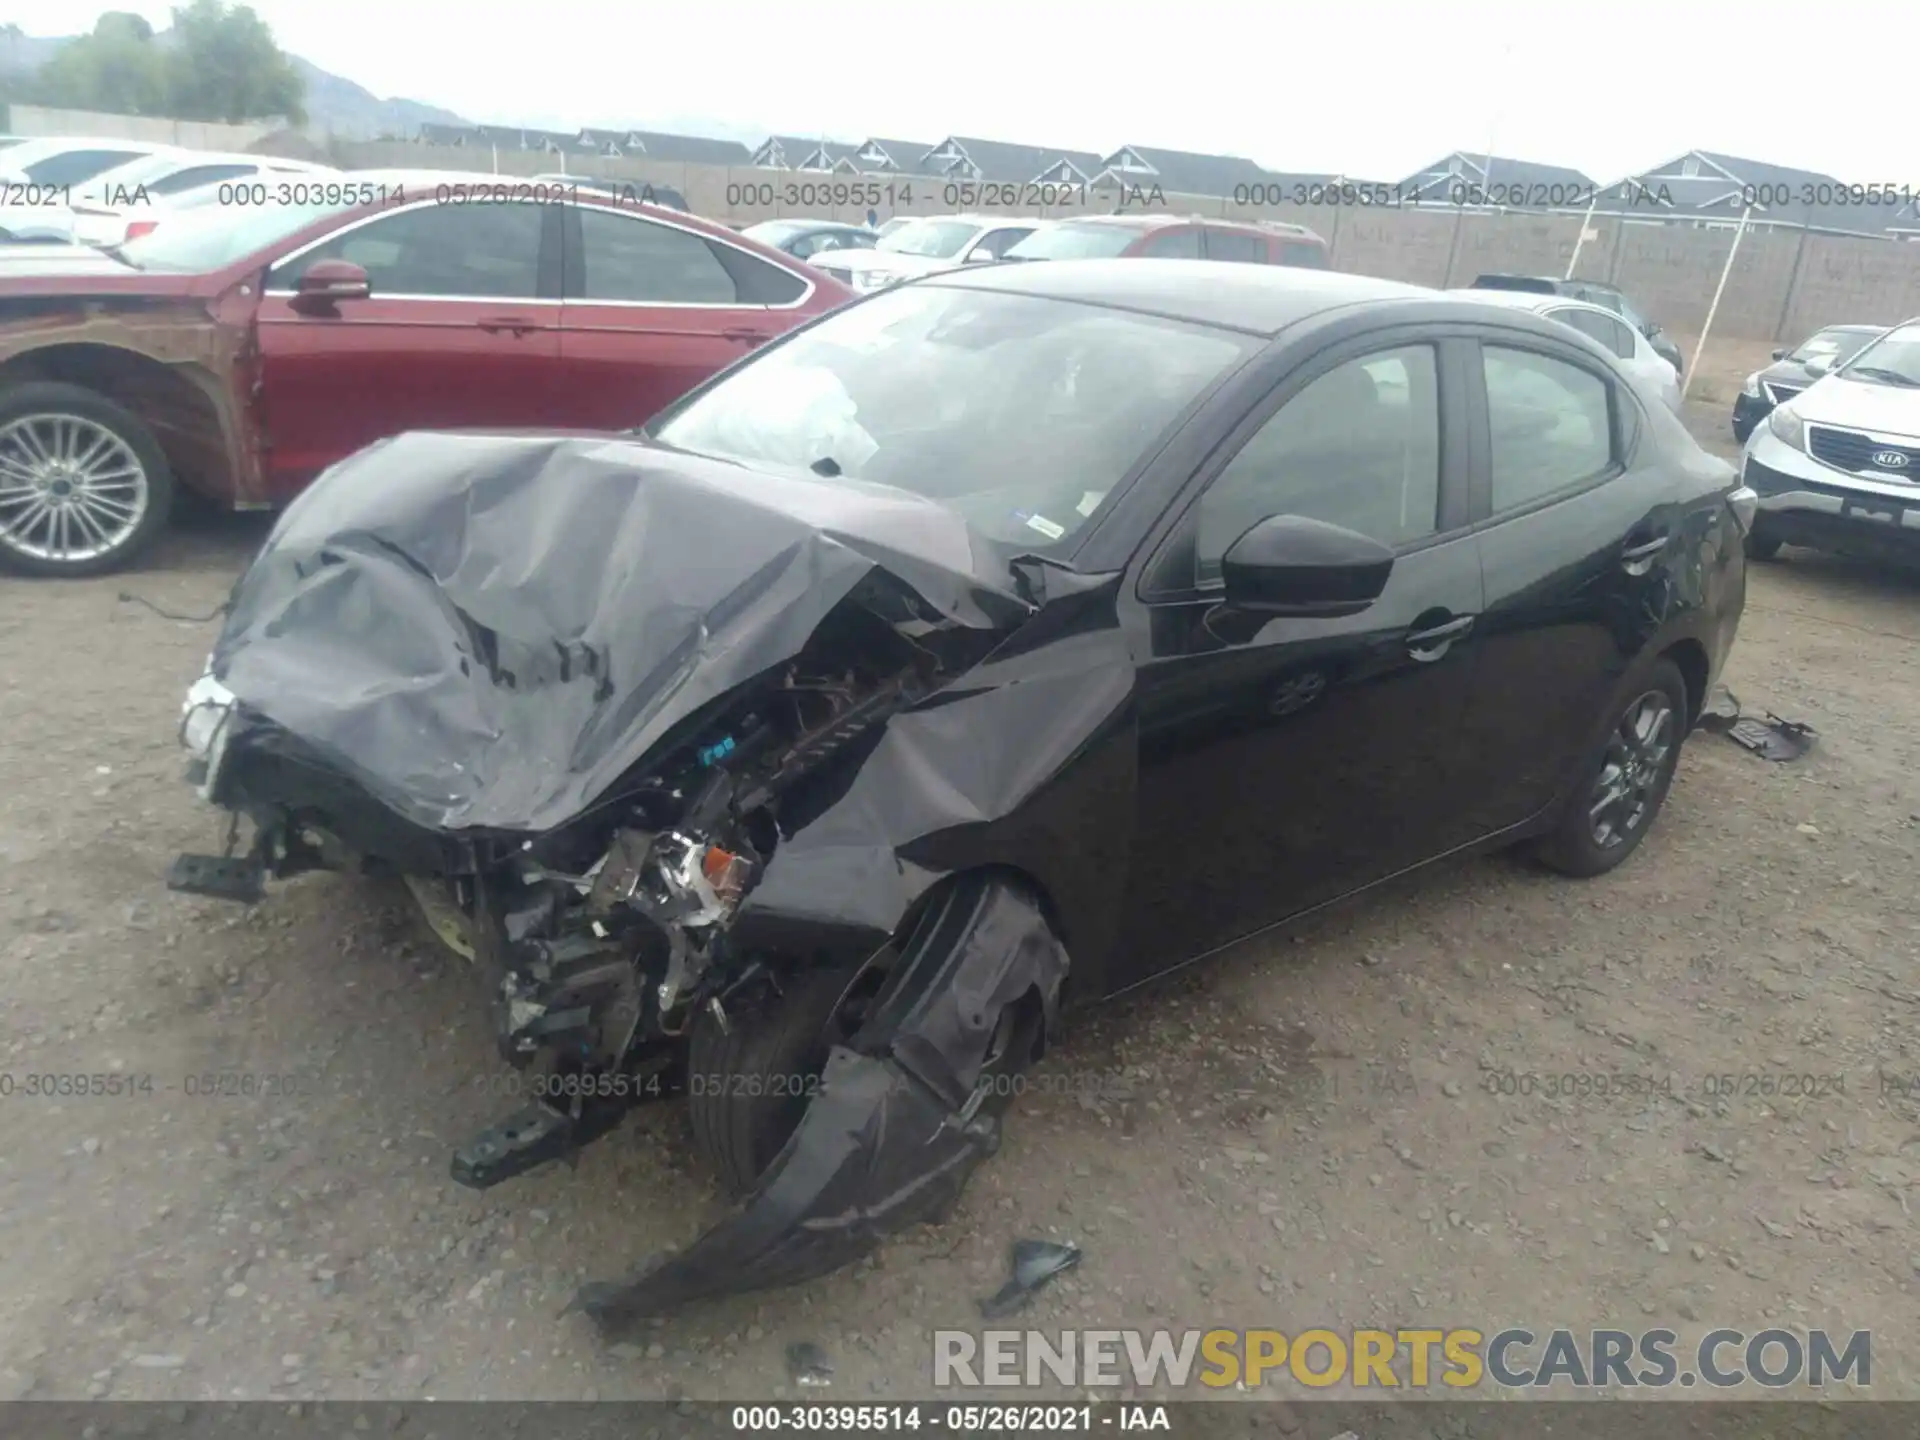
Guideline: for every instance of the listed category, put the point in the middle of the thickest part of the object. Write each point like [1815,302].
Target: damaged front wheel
[905,1107]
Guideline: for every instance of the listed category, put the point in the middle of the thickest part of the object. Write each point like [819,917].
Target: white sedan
[1626,344]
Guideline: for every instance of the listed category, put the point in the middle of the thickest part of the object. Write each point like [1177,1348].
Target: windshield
[1022,414]
[1893,359]
[1073,242]
[1838,346]
[199,238]
[932,239]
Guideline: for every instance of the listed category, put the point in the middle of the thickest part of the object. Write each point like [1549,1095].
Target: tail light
[139,228]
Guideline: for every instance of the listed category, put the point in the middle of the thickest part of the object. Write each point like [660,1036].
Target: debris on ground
[1771,739]
[1035,1262]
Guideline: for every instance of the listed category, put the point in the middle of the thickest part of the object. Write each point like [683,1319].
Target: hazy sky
[1370,87]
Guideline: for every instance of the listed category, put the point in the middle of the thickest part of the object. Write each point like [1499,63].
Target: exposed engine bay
[693,767]
[601,942]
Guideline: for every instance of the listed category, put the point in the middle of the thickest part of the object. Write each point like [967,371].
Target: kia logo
[1890,459]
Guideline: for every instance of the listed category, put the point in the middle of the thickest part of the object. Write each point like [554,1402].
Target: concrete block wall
[41,120]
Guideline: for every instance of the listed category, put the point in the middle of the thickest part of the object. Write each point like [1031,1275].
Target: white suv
[1837,467]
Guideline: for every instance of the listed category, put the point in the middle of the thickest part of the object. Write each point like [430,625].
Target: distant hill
[334,103]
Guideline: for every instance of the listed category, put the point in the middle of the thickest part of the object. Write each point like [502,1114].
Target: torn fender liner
[889,1140]
[485,630]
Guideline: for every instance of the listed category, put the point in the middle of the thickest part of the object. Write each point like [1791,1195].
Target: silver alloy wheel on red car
[72,491]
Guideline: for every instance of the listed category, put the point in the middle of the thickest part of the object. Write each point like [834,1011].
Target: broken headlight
[207,707]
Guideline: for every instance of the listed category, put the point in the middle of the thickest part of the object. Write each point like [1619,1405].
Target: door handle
[745,336]
[515,325]
[1432,643]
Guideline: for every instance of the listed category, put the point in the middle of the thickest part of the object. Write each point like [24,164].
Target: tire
[1576,848]
[1762,547]
[131,473]
[780,1043]
[737,1124]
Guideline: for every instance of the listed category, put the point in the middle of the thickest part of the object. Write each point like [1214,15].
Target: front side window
[489,251]
[1551,424]
[1358,447]
[1304,254]
[1020,413]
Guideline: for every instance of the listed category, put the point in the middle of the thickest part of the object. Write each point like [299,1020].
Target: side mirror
[981,255]
[325,283]
[1780,354]
[1290,565]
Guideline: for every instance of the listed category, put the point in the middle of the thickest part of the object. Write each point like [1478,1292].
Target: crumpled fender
[890,1139]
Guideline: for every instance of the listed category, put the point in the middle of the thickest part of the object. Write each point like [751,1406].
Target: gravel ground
[1307,1134]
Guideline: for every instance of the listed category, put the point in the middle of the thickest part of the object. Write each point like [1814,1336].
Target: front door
[462,329]
[1283,764]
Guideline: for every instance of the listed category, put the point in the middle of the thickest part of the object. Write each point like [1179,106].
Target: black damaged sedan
[983,649]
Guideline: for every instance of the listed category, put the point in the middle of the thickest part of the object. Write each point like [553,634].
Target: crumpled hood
[486,630]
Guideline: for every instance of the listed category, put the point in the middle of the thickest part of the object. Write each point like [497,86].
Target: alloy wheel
[71,490]
[1632,770]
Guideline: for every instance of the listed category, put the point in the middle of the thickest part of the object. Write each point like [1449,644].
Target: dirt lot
[1312,1136]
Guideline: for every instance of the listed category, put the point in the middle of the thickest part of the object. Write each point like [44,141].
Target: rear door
[462,329]
[1575,522]
[652,308]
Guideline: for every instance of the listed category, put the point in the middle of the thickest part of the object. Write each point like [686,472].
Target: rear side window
[1173,245]
[1303,253]
[1551,424]
[1609,332]
[75,166]
[640,261]
[1233,245]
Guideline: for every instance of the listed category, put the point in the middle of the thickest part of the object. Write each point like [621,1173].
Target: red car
[1174,237]
[239,351]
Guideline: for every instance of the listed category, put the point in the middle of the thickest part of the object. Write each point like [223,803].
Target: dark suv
[1173,237]
[1594,293]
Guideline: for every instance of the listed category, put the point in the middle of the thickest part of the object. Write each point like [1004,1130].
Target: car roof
[1855,329]
[1260,299]
[1531,300]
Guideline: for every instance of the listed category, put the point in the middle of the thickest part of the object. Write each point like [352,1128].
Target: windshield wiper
[1892,377]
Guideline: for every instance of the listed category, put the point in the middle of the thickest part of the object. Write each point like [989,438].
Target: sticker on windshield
[1090,501]
[1040,522]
